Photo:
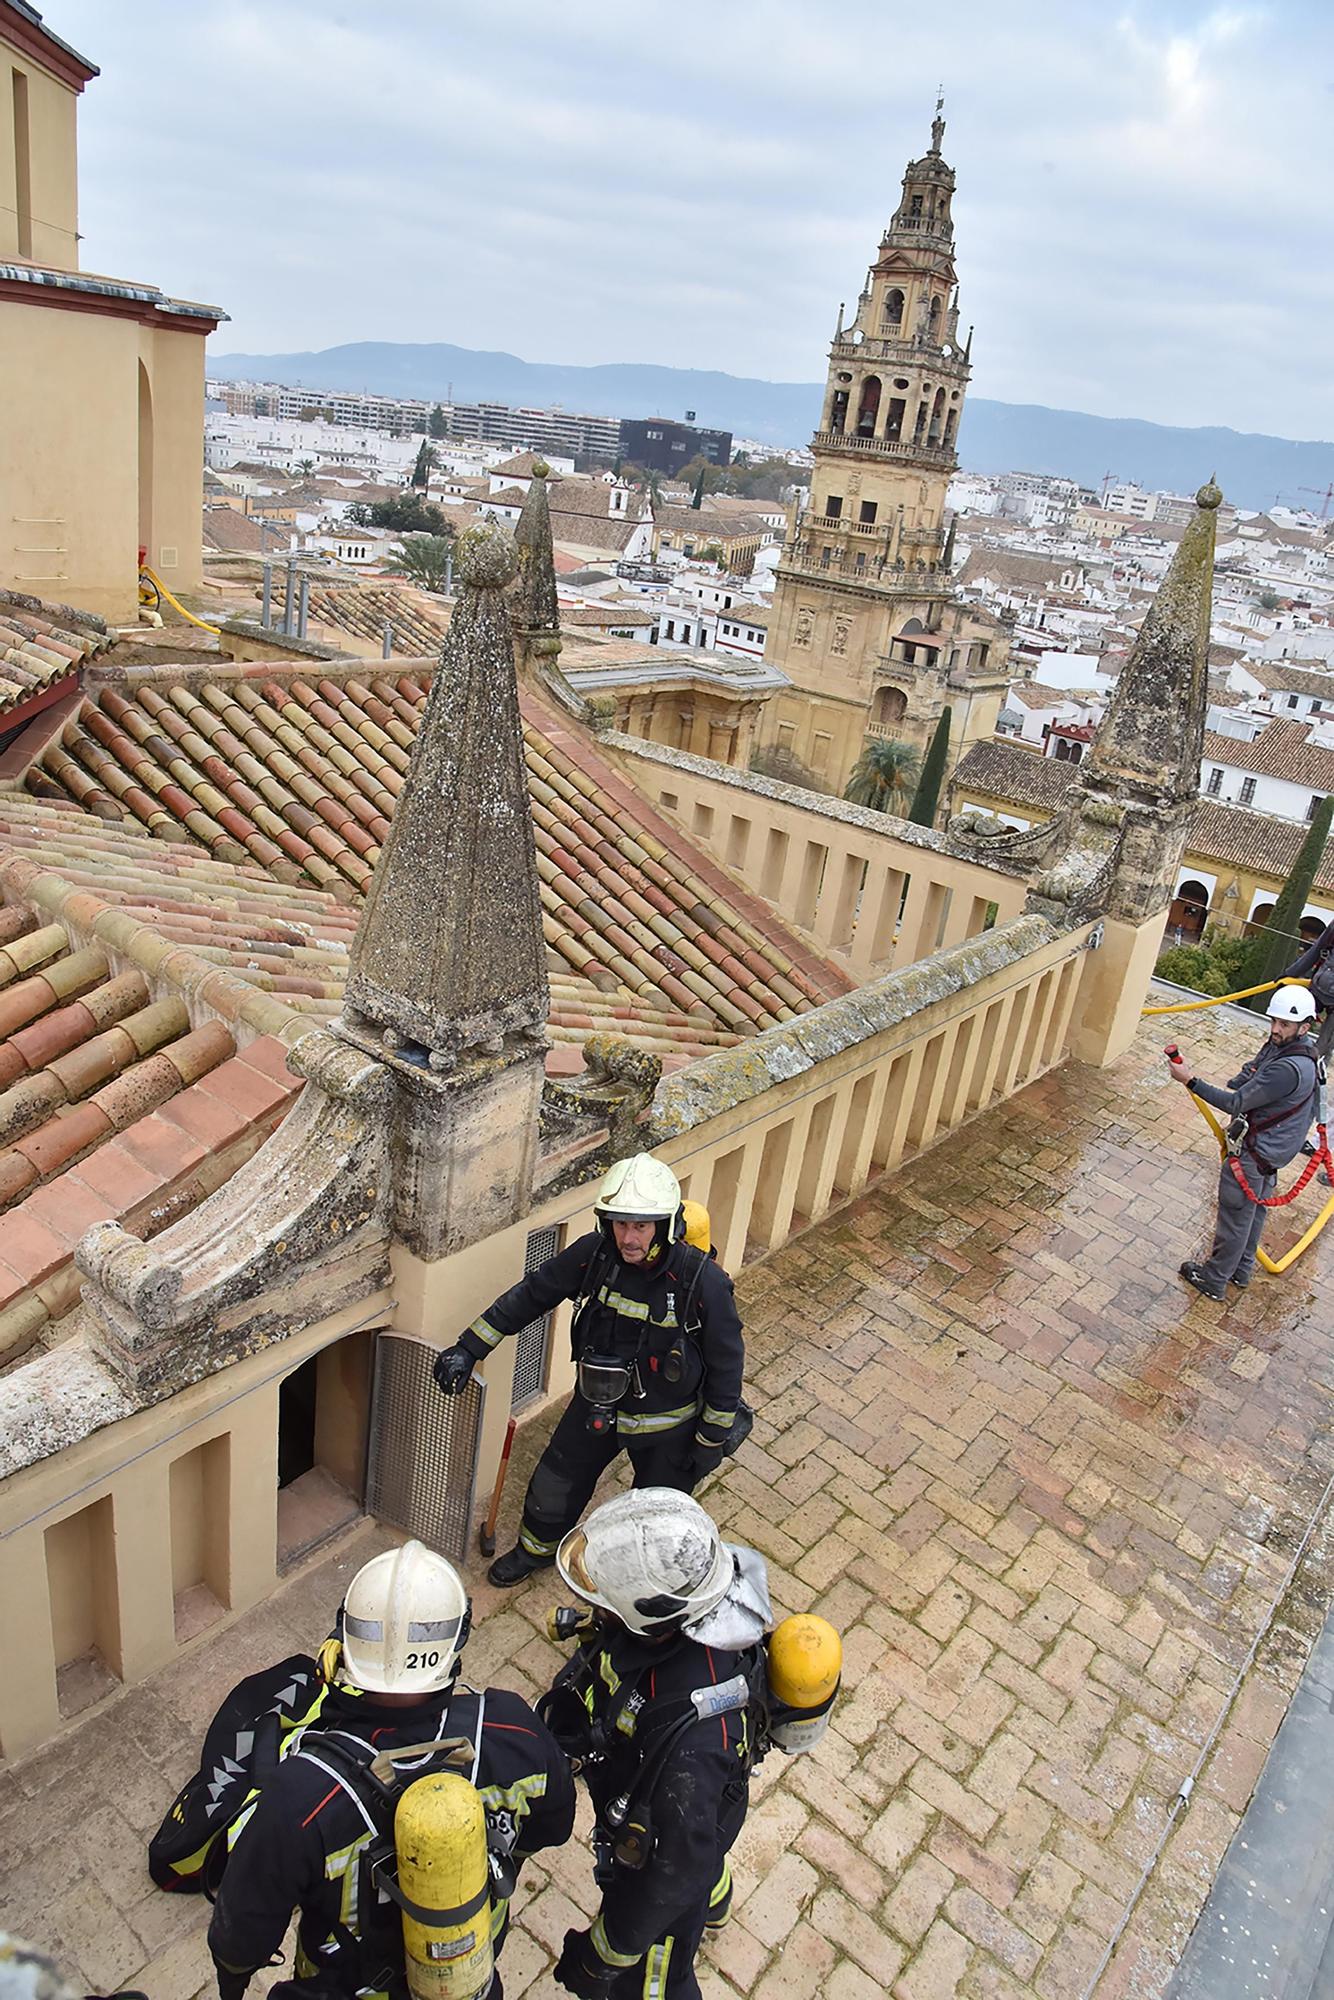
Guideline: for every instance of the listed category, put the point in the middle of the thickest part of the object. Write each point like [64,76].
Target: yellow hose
[176,603]
[1190,1006]
[1303,1242]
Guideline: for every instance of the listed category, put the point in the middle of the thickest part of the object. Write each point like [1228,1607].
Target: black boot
[1194,1274]
[515,1565]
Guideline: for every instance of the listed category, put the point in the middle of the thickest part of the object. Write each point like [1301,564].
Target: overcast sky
[1143,217]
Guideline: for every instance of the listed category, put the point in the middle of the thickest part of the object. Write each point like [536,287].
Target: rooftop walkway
[1051,1498]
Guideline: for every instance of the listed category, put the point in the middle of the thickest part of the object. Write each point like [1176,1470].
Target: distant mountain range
[995,437]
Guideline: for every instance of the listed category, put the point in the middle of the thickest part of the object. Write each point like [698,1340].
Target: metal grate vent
[423,1447]
[532,1344]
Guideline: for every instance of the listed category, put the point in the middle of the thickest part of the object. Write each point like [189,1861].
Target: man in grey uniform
[1316,963]
[1270,1103]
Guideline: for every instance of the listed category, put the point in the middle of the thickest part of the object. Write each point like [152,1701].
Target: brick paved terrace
[1052,1499]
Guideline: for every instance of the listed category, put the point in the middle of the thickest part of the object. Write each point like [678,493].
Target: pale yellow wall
[175,364]
[52,208]
[69,470]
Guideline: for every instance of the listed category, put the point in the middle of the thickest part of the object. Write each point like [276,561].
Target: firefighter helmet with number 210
[406,1619]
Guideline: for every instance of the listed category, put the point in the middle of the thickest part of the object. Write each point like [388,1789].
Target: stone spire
[448,961]
[1152,737]
[533,599]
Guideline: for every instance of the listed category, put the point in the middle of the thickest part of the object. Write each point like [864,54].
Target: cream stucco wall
[70,472]
[39,201]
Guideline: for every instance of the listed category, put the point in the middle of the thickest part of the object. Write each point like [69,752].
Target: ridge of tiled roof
[297,771]
[135,1075]
[1283,749]
[41,645]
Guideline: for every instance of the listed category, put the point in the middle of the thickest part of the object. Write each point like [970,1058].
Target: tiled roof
[299,773]
[1019,777]
[1254,841]
[1282,750]
[1223,833]
[709,527]
[1286,677]
[41,645]
[364,613]
[520,466]
[1012,566]
[608,617]
[227,529]
[1036,694]
[136,1073]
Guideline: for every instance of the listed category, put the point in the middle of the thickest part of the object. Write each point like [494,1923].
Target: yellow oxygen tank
[445,1886]
[696,1218]
[805,1664]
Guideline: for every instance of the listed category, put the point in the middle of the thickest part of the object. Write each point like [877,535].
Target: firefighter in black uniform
[304,1845]
[665,1748]
[658,1347]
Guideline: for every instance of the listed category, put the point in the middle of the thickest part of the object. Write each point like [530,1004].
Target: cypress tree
[1280,941]
[698,500]
[926,798]
[421,471]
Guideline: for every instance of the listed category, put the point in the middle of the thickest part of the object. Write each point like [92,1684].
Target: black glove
[452,1368]
[707,1459]
[580,1970]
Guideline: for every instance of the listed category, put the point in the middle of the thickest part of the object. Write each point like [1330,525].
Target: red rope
[1321,1157]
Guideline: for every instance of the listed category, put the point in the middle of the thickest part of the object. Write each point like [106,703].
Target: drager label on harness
[457,1947]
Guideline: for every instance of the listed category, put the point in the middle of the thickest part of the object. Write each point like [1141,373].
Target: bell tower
[866,624]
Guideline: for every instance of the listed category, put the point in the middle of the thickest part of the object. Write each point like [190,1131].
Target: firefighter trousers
[576,1458]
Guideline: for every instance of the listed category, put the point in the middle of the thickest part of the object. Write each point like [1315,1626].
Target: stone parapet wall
[871,891]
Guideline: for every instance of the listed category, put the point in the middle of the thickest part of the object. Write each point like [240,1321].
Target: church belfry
[866,624]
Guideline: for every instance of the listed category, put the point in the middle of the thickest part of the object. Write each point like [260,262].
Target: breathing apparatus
[653,1562]
[638,1189]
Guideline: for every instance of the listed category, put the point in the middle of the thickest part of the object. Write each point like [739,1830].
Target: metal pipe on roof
[303,608]
[287,600]
[266,598]
[386,640]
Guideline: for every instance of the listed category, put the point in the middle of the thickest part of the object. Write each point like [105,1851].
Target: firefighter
[403,1627]
[658,1350]
[666,1754]
[1270,1102]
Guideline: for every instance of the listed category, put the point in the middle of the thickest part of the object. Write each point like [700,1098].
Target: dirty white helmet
[1291,1003]
[641,1189]
[651,1557]
[406,1618]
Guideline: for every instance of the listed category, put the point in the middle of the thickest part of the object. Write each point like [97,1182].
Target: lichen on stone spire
[449,956]
[533,607]
[1152,736]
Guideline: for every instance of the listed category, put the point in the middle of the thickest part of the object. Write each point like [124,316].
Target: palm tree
[305,466]
[424,560]
[884,775]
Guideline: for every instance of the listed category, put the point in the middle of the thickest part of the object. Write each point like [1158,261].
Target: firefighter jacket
[1276,1092]
[304,1843]
[635,1698]
[635,1314]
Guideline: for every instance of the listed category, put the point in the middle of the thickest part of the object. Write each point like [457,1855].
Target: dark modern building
[661,446]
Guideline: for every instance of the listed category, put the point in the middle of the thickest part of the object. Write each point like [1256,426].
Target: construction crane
[1324,494]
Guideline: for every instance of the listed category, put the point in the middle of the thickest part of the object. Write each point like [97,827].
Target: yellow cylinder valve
[444,1888]
[805,1665]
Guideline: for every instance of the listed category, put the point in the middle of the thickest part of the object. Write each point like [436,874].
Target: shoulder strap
[1287,1110]
[695,1275]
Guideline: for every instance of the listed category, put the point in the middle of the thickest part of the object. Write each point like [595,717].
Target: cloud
[1141,212]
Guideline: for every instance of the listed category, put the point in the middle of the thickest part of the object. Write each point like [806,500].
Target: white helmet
[641,1189]
[652,1557]
[405,1620]
[1291,1003]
